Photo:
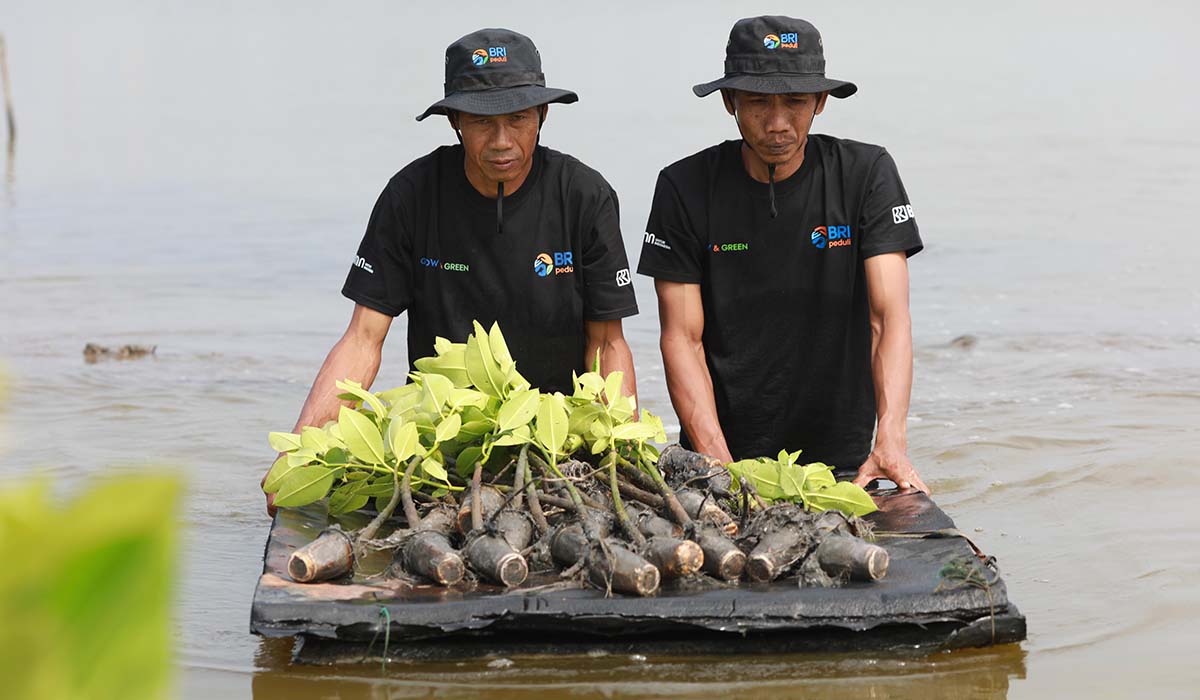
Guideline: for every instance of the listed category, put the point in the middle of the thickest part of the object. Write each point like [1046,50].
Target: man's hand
[892,464]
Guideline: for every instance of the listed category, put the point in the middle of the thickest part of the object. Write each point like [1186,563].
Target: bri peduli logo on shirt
[730,247]
[492,54]
[786,40]
[446,265]
[561,263]
[830,237]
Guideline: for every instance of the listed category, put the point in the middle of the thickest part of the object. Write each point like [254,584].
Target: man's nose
[502,139]
[778,120]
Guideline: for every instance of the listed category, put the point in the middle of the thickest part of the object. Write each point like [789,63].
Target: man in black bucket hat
[494,228]
[780,263]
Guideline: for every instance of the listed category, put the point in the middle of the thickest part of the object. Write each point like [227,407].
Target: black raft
[939,593]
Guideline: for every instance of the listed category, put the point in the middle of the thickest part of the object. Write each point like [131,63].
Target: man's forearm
[353,357]
[892,371]
[690,386]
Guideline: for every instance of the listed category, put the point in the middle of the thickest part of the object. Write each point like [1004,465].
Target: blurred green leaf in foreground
[85,589]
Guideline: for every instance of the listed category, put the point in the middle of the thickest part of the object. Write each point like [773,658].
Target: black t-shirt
[432,248]
[786,328]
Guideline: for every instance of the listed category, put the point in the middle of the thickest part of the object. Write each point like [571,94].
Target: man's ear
[452,117]
[543,112]
[821,102]
[727,97]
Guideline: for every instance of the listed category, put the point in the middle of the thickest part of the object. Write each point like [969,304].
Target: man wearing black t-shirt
[780,263]
[496,228]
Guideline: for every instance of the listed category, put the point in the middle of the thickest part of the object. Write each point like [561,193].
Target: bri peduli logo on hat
[492,54]
[787,40]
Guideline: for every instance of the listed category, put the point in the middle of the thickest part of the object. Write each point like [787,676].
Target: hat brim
[495,101]
[778,84]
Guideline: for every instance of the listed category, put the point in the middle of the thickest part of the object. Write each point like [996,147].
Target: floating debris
[94,353]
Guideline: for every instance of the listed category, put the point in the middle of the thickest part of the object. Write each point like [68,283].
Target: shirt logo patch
[492,54]
[561,263]
[656,241]
[823,237]
[902,213]
[623,277]
[363,264]
[438,264]
[730,247]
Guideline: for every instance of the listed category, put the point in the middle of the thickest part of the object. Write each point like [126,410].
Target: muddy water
[199,181]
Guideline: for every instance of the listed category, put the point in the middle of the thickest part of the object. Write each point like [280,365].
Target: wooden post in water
[8,108]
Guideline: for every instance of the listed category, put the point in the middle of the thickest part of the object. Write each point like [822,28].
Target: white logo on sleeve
[902,213]
[656,241]
[623,277]
[359,262]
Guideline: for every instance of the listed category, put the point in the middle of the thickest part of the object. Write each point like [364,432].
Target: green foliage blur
[85,589]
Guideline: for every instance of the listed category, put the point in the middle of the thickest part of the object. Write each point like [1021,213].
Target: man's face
[499,147]
[775,127]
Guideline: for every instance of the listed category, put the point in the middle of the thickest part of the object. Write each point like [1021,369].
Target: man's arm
[356,357]
[681,315]
[608,338]
[891,369]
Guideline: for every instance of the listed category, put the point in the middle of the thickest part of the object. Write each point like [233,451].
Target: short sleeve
[608,287]
[670,249]
[381,276]
[886,221]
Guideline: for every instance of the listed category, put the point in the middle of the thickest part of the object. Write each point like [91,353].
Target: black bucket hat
[775,55]
[495,71]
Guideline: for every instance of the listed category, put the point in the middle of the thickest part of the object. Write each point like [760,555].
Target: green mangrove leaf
[478,368]
[348,497]
[355,391]
[601,427]
[519,436]
[498,346]
[434,469]
[494,378]
[301,457]
[464,464]
[633,431]
[395,394]
[305,485]
[462,398]
[817,476]
[622,408]
[403,439]
[314,439]
[588,386]
[357,475]
[762,473]
[452,364]
[844,496]
[448,429]
[582,417]
[660,433]
[518,410]
[600,445]
[284,442]
[337,455]
[442,345]
[437,390]
[279,470]
[361,436]
[476,428]
[552,423]
[612,387]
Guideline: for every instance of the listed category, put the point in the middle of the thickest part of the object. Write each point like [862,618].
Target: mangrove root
[611,566]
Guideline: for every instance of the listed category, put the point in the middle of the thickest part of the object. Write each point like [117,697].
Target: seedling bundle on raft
[493,476]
